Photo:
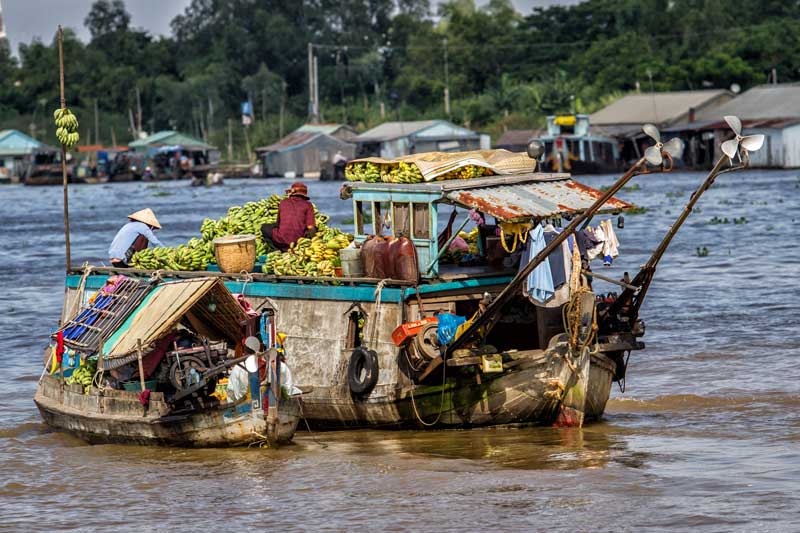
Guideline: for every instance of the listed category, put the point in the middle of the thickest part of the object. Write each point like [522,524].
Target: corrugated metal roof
[516,137]
[762,102]
[657,108]
[170,137]
[393,130]
[327,128]
[294,139]
[13,142]
[538,199]
[711,125]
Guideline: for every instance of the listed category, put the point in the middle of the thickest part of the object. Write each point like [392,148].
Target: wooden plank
[433,365]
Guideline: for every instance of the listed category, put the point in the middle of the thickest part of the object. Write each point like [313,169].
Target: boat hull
[118,417]
[541,388]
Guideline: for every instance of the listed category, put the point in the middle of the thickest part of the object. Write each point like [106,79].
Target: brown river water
[706,435]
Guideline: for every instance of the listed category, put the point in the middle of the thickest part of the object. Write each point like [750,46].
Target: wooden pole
[64,148]
[141,365]
[490,316]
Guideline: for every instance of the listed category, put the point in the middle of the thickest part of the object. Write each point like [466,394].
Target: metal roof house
[771,110]
[15,153]
[302,154]
[343,132]
[516,140]
[394,139]
[168,138]
[624,118]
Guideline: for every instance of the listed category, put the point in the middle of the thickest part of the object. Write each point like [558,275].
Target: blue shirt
[125,237]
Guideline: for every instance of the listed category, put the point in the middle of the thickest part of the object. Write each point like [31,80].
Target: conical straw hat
[147,216]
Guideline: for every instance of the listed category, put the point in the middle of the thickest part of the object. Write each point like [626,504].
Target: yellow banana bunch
[66,128]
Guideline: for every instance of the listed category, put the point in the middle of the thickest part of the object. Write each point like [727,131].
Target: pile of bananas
[248,219]
[195,255]
[66,128]
[455,255]
[404,172]
[83,375]
[318,256]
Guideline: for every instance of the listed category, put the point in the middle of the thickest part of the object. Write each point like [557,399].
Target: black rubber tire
[362,371]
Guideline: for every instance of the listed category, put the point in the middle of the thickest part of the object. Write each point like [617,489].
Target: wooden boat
[513,363]
[118,416]
[45,169]
[185,414]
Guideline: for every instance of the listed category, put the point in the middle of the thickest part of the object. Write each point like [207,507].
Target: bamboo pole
[64,148]
[141,365]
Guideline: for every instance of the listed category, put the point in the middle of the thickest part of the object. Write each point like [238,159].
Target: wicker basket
[235,253]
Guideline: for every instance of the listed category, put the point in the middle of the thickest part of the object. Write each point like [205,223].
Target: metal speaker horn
[750,143]
[535,149]
[654,154]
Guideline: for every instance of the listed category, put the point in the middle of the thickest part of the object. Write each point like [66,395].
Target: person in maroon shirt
[295,219]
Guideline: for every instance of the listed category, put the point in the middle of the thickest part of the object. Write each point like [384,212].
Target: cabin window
[421,221]
[356,325]
[381,217]
[359,218]
[402,219]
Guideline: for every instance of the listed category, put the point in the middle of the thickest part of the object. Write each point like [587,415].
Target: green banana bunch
[308,257]
[66,128]
[83,375]
[405,172]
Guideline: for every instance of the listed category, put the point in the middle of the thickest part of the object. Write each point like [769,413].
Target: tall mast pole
[63,147]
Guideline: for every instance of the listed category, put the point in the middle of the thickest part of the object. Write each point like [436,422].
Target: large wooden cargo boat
[376,352]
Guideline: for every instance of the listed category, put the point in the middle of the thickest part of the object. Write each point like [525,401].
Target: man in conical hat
[134,236]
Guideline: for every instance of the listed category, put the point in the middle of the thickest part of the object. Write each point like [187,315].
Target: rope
[441,402]
[371,338]
[246,278]
[305,420]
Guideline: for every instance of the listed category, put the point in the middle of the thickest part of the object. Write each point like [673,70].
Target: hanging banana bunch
[66,128]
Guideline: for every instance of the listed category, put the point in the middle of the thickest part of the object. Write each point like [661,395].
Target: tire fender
[362,371]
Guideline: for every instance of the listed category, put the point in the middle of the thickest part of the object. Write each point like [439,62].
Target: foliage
[385,59]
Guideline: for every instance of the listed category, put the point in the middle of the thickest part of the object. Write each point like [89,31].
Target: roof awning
[203,304]
[534,200]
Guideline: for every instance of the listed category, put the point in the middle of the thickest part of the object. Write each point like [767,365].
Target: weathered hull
[536,390]
[117,416]
[536,386]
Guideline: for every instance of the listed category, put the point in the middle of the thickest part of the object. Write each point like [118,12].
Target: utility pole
[96,124]
[283,109]
[138,110]
[210,116]
[133,124]
[113,138]
[446,81]
[230,139]
[317,112]
[311,111]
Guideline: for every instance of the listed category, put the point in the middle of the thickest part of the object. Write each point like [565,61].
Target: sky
[29,19]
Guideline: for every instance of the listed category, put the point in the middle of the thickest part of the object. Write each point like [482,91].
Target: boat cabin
[426,213]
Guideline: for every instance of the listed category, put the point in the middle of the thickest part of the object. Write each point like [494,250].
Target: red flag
[59,346]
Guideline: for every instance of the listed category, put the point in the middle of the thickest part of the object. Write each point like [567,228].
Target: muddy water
[706,435]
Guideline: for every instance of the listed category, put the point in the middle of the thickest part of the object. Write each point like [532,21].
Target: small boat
[570,146]
[45,168]
[135,325]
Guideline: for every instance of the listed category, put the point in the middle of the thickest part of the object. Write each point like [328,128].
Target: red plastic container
[374,254]
[403,259]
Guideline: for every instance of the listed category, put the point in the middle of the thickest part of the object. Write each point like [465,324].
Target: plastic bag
[448,325]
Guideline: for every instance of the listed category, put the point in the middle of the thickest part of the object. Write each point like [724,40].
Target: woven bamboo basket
[235,253]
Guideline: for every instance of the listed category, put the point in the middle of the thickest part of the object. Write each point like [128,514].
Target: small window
[381,218]
[422,221]
[402,220]
[359,219]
